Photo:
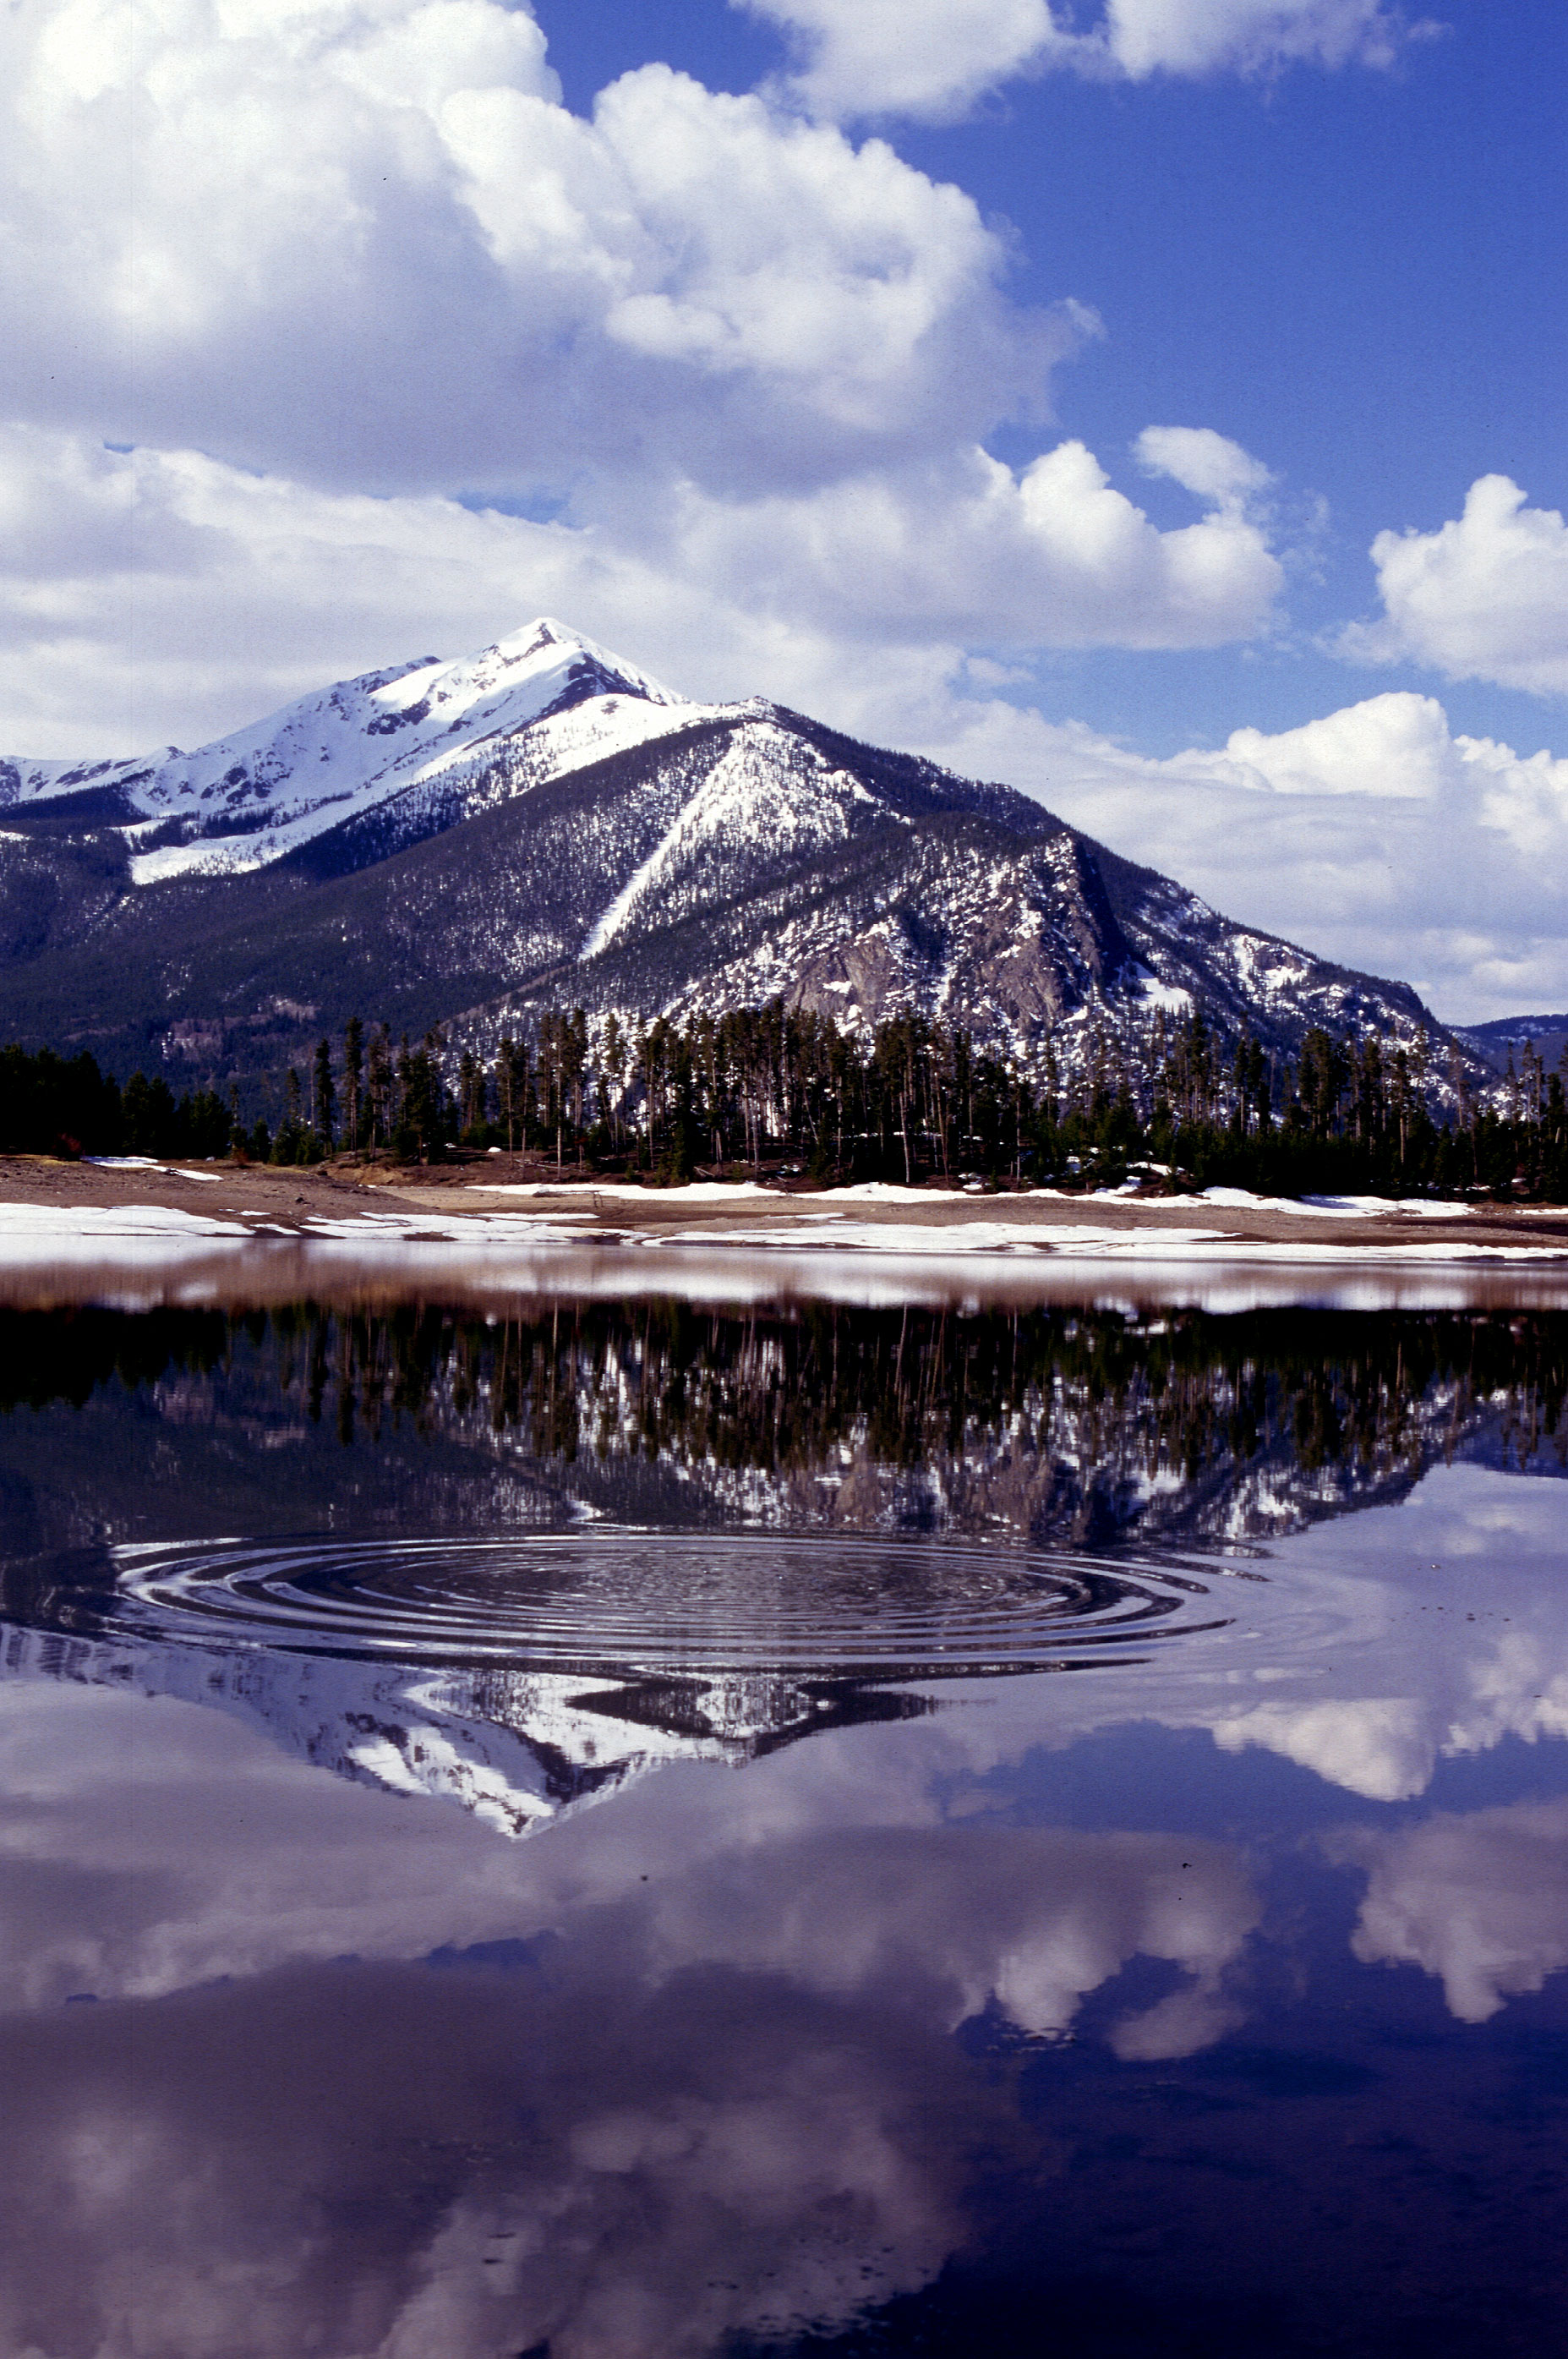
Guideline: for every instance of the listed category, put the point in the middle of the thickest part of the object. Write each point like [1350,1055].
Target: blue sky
[1161,409]
[1362,278]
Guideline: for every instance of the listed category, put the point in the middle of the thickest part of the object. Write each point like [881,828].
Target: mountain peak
[538,647]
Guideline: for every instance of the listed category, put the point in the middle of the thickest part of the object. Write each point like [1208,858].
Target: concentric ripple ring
[649,1602]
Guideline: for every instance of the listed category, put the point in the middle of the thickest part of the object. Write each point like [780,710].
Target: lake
[639,1815]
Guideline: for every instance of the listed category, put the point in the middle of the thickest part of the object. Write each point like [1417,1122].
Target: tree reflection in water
[1092,1428]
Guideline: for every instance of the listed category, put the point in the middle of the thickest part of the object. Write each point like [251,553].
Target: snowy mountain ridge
[251,798]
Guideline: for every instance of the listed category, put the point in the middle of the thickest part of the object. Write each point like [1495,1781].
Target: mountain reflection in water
[539,1674]
[528,1676]
[1209,1998]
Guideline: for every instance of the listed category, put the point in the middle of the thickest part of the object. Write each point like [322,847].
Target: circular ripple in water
[660,1602]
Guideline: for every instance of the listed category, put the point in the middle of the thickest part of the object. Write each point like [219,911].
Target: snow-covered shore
[233,1232]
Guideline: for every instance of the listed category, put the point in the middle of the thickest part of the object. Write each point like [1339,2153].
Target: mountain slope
[544,824]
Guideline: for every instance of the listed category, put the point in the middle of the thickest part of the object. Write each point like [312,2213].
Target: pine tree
[353,1079]
[323,1096]
[613,1058]
[378,1080]
[511,1081]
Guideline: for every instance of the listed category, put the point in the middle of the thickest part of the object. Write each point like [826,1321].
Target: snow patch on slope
[759,797]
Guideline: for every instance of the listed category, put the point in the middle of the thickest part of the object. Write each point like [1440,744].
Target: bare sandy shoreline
[503,1195]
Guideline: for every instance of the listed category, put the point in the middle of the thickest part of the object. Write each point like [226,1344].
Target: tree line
[780,1090]
[64,1105]
[787,1090]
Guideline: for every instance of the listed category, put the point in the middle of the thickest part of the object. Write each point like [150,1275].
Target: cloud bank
[369,253]
[374,247]
[934,58]
[249,589]
[1375,832]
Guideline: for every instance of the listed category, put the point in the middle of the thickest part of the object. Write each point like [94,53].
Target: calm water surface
[621,1827]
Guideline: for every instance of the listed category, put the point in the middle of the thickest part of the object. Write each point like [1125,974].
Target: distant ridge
[1548,1036]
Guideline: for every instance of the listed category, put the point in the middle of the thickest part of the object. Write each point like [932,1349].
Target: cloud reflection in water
[1081,1981]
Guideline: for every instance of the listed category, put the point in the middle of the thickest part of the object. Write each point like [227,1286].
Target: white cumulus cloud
[1200,37]
[1054,555]
[247,589]
[1396,745]
[372,246]
[1484,597]
[1204,463]
[934,58]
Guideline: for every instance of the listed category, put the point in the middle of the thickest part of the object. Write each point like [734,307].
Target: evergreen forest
[788,1095]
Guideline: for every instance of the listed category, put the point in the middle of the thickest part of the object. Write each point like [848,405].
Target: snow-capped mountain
[252,797]
[1504,1041]
[467,842]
